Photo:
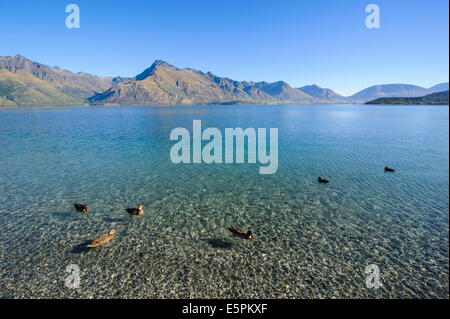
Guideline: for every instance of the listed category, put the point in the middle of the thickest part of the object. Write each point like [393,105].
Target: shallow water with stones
[312,241]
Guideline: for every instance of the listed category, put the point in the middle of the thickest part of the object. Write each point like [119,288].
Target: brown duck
[241,233]
[139,211]
[103,239]
[81,207]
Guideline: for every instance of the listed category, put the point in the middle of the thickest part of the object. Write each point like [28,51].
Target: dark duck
[246,234]
[389,169]
[81,207]
[139,211]
[322,180]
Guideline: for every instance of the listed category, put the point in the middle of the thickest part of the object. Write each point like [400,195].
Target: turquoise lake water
[311,240]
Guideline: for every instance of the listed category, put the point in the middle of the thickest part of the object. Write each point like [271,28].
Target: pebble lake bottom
[311,240]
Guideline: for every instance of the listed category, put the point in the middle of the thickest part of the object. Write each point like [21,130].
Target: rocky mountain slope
[165,84]
[28,83]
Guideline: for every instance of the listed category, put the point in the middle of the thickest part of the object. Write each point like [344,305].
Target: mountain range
[164,84]
[27,83]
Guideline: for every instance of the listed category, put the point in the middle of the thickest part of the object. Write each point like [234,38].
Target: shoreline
[202,105]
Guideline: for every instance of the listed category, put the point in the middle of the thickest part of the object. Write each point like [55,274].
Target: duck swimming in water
[81,208]
[139,211]
[323,180]
[241,233]
[103,239]
[388,169]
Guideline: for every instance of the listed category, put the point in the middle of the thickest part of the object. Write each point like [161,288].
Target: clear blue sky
[301,42]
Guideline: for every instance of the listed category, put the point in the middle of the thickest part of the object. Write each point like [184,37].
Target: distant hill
[389,90]
[165,84]
[27,83]
[440,98]
[439,87]
[324,94]
[282,91]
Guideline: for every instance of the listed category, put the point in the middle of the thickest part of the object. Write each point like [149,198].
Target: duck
[139,211]
[81,207]
[103,239]
[241,233]
[388,169]
[322,180]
